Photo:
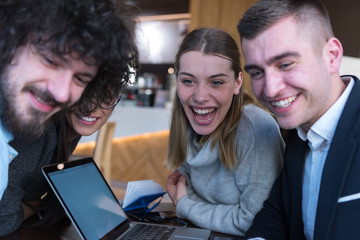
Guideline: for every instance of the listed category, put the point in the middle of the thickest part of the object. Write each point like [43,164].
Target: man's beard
[30,129]
[14,120]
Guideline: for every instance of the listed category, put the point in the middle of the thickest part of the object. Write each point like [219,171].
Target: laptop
[94,210]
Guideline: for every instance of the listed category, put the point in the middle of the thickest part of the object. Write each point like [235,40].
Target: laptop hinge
[116,232]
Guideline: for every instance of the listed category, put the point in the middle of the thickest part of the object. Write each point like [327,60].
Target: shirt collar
[7,135]
[325,126]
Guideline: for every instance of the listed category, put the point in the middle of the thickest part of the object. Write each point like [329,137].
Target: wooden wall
[344,17]
[224,14]
[137,157]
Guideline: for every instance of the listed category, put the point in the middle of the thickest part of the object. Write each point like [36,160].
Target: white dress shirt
[319,136]
[7,153]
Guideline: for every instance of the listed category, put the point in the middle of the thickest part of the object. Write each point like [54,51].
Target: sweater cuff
[182,206]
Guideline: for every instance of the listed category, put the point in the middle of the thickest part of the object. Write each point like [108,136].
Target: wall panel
[224,14]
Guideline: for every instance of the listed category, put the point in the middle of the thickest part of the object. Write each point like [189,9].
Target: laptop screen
[86,197]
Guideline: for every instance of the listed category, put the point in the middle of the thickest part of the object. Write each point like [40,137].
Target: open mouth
[203,115]
[284,102]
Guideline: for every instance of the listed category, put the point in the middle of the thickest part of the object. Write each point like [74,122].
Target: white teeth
[42,101]
[203,111]
[39,99]
[284,103]
[88,119]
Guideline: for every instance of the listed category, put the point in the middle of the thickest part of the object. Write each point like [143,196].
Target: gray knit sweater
[226,200]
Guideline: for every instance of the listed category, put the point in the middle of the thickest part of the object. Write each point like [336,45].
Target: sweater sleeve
[260,161]
[184,170]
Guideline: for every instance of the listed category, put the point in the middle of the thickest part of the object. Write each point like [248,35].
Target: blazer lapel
[337,165]
[336,168]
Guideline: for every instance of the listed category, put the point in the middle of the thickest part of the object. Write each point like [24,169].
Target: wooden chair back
[103,149]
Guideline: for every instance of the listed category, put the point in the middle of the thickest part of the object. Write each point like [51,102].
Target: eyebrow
[219,75]
[212,76]
[272,60]
[187,74]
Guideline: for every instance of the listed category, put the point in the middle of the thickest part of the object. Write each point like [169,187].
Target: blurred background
[162,24]
[137,146]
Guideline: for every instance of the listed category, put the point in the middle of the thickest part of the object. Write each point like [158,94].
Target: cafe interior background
[161,25]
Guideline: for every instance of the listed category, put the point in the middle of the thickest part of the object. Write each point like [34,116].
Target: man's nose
[273,84]
[60,85]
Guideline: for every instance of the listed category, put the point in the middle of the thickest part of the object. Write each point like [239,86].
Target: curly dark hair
[96,30]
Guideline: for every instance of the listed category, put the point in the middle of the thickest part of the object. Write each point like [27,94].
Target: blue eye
[187,81]
[256,74]
[217,82]
[285,65]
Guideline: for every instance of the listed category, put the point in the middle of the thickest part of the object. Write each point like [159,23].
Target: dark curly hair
[96,30]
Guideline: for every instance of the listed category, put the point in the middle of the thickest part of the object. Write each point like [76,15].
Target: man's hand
[28,212]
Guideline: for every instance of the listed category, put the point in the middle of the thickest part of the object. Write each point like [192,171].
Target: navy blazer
[281,216]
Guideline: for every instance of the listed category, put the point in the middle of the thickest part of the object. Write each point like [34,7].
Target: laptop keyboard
[148,232]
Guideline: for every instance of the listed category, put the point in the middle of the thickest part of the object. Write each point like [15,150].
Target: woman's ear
[238,83]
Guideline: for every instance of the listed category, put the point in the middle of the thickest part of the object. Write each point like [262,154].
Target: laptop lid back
[86,197]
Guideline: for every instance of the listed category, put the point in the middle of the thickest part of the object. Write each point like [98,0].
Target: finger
[182,180]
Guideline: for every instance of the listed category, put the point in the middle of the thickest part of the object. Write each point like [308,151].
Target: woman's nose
[201,94]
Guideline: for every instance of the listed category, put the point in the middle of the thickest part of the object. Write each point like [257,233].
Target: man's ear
[334,52]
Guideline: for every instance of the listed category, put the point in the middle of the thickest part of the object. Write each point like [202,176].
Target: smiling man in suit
[293,60]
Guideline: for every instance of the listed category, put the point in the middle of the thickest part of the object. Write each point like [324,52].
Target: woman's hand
[176,186]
